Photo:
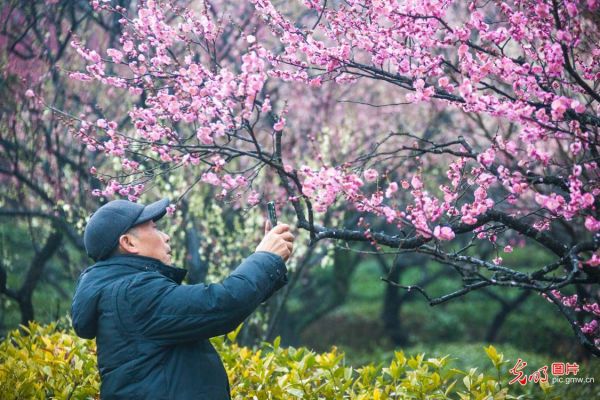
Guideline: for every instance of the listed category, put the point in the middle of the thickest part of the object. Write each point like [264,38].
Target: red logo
[541,375]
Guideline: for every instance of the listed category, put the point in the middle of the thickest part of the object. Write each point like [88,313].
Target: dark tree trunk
[24,296]
[196,265]
[26,308]
[391,308]
[502,315]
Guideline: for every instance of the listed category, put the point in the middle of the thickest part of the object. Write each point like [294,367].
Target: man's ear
[127,245]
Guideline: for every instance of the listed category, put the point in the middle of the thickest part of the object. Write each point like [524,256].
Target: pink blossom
[487,157]
[228,182]
[392,188]
[575,147]
[29,93]
[171,209]
[508,249]
[554,202]
[116,55]
[204,135]
[559,107]
[266,106]
[389,213]
[421,93]
[80,76]
[316,82]
[416,182]
[128,46]
[376,199]
[577,106]
[468,219]
[253,198]
[466,89]
[592,224]
[371,175]
[279,124]
[211,178]
[218,161]
[590,328]
[594,261]
[593,308]
[443,232]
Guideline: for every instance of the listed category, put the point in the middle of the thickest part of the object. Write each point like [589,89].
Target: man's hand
[278,240]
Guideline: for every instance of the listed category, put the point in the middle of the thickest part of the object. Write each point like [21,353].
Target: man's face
[147,240]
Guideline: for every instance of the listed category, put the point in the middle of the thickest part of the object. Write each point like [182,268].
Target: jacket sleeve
[170,313]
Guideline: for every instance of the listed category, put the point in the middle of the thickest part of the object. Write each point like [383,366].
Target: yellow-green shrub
[42,362]
[274,372]
[48,362]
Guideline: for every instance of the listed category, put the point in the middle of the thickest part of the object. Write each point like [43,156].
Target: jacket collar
[143,263]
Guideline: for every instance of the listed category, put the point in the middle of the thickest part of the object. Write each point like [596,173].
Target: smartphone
[272,214]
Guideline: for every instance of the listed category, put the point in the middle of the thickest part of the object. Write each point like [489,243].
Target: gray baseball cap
[113,219]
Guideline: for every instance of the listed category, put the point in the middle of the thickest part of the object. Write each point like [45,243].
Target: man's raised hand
[278,240]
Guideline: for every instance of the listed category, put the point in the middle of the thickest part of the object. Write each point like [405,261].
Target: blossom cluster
[590,328]
[426,47]
[181,93]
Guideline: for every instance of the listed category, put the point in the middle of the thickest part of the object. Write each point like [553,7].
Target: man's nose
[167,237]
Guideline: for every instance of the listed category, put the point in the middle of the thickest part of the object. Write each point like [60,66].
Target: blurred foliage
[52,295]
[535,325]
[41,362]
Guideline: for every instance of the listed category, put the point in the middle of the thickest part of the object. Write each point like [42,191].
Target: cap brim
[154,212]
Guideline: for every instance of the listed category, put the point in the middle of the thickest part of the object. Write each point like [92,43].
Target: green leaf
[295,392]
[232,336]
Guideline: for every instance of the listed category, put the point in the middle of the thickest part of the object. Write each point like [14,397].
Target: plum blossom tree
[478,126]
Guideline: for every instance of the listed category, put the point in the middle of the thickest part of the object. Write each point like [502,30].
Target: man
[152,332]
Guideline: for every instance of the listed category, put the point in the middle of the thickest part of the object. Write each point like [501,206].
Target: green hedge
[46,361]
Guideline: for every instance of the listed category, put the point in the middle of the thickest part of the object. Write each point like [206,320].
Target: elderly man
[152,332]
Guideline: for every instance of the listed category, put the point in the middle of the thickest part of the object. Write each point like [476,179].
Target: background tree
[44,172]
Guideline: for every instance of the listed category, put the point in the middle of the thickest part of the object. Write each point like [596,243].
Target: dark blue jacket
[152,332]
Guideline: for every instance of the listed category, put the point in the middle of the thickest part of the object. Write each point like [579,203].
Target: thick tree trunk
[26,308]
[196,265]
[24,296]
[391,308]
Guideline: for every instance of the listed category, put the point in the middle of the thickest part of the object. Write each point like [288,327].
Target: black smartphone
[272,214]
